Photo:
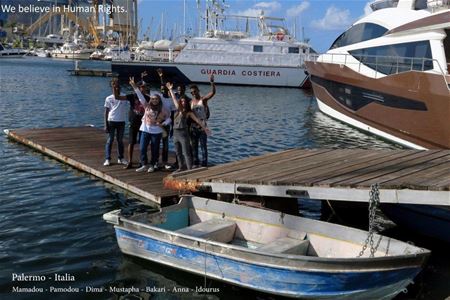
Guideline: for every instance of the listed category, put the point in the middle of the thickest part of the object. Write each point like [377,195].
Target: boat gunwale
[420,257]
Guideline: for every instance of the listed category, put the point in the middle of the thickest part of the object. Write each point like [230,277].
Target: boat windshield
[380,4]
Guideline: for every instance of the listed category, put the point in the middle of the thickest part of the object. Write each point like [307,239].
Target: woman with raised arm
[180,129]
[199,105]
[155,117]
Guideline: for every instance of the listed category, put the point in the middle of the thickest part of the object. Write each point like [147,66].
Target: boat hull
[279,280]
[415,117]
[223,74]
[12,54]
[432,221]
[81,56]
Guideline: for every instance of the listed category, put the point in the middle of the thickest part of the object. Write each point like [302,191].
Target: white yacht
[388,74]
[72,51]
[271,58]
[52,39]
[7,52]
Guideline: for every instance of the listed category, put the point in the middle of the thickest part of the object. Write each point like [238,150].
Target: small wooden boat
[268,251]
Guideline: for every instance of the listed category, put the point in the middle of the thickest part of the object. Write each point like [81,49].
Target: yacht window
[447,46]
[1,47]
[359,33]
[420,4]
[294,50]
[397,58]
[380,4]
[257,48]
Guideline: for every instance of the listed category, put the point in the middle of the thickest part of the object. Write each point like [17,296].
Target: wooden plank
[385,170]
[250,173]
[354,164]
[253,162]
[434,176]
[313,164]
[83,148]
[387,165]
[421,166]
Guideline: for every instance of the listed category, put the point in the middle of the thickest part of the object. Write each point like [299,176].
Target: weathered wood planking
[404,176]
[83,148]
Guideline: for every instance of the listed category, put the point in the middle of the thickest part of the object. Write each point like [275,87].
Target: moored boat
[269,251]
[388,74]
[72,51]
[6,52]
[272,57]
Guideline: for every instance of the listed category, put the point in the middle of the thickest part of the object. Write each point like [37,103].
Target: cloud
[334,18]
[367,9]
[255,10]
[272,6]
[295,11]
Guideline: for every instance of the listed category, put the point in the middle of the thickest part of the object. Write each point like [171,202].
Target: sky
[322,20]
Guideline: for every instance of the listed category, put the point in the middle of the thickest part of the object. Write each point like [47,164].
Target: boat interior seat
[287,245]
[294,243]
[218,230]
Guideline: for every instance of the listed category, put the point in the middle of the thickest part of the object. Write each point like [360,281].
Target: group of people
[154,117]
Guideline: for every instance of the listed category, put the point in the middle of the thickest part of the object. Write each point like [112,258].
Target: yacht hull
[432,221]
[12,54]
[416,116]
[223,74]
[72,55]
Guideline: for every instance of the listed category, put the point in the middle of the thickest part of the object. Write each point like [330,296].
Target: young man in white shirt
[116,112]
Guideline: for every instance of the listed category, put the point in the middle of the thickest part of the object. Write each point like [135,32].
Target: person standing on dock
[168,130]
[135,118]
[199,106]
[115,116]
[155,118]
[180,129]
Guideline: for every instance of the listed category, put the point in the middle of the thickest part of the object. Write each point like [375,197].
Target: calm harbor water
[51,215]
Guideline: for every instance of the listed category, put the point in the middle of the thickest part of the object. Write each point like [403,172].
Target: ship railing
[256,59]
[382,65]
[438,4]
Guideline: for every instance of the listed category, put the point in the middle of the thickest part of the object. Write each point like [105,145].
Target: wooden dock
[404,176]
[83,149]
[92,72]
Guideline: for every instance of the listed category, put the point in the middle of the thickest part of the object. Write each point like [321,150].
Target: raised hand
[169,85]
[131,82]
[160,72]
[211,78]
[143,74]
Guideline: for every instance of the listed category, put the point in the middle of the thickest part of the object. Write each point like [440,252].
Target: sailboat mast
[184,17]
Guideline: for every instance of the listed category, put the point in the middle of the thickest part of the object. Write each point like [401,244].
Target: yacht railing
[244,59]
[384,65]
[438,4]
[224,58]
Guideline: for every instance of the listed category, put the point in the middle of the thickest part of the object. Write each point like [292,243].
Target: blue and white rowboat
[268,251]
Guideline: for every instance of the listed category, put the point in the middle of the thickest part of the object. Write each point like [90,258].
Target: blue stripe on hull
[263,278]
[135,70]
